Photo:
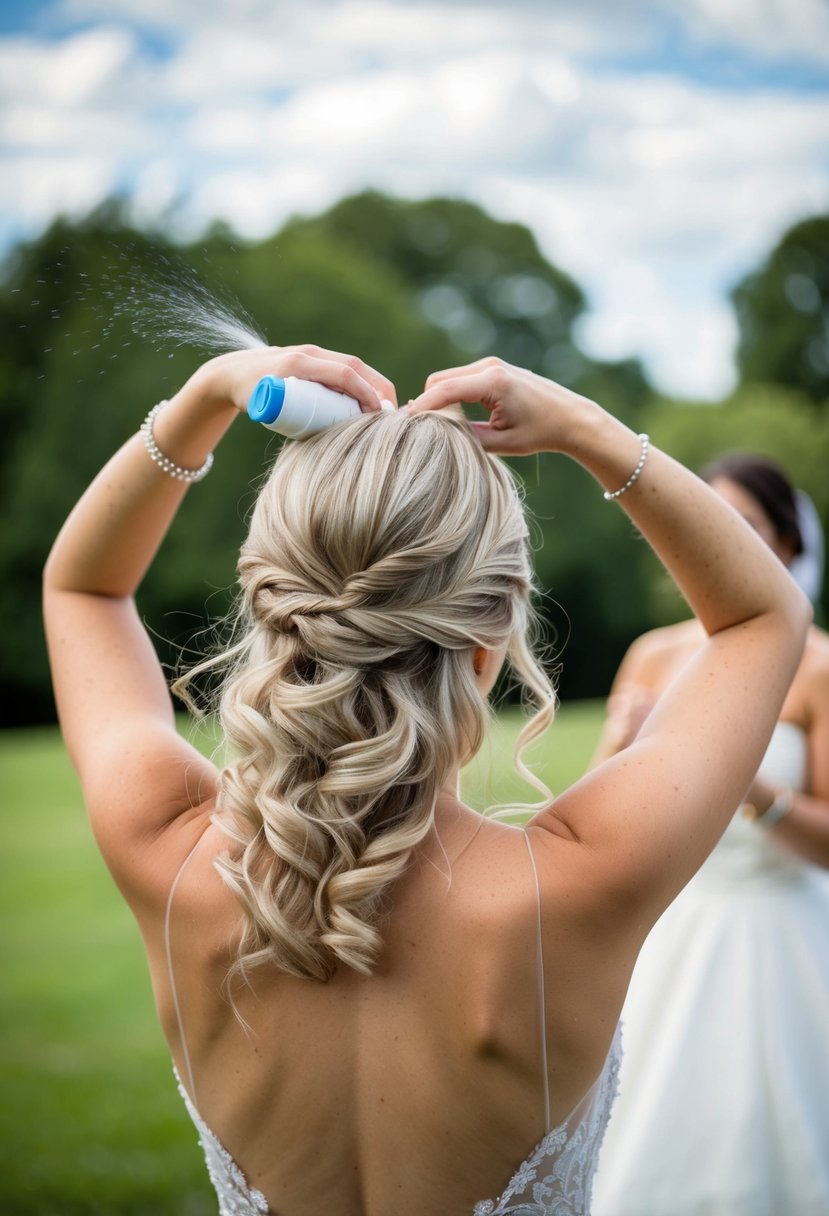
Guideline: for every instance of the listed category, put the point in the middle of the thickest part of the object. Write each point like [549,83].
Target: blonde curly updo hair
[381,553]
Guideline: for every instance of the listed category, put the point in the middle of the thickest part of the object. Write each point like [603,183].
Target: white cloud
[157,187]
[686,342]
[402,29]
[658,228]
[47,187]
[47,130]
[399,31]
[769,27]
[259,201]
[66,73]
[654,191]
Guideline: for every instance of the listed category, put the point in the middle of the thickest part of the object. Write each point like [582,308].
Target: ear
[486,665]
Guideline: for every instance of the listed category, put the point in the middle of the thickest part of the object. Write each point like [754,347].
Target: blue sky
[657,148]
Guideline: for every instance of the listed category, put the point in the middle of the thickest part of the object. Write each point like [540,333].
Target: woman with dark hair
[723,1100]
[380,1003]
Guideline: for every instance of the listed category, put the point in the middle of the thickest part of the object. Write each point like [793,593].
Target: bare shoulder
[667,639]
[659,651]
[502,881]
[482,872]
[814,668]
[590,936]
[817,646]
[147,824]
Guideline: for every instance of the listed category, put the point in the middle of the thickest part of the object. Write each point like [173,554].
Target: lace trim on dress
[236,1197]
[564,1190]
[570,1160]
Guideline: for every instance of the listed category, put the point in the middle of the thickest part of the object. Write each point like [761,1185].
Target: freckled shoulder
[655,656]
[814,670]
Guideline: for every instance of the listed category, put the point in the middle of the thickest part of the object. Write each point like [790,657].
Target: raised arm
[139,778]
[640,824]
[803,826]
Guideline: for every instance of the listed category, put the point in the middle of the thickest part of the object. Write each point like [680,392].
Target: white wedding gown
[723,1107]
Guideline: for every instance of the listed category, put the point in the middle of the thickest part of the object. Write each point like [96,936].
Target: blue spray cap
[266,399]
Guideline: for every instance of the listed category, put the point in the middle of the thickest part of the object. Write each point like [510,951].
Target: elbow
[803,612]
[49,580]
[46,577]
[798,617]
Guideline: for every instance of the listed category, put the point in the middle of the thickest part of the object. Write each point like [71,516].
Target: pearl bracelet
[164,462]
[646,443]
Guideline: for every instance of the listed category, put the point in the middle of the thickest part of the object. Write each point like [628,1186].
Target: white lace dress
[723,1107]
[557,1177]
[555,1180]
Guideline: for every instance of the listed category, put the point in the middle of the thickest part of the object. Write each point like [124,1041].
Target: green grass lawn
[90,1122]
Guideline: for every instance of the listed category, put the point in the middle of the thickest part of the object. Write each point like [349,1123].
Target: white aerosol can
[297,408]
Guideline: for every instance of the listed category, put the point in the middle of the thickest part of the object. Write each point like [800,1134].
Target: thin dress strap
[169,954]
[542,1001]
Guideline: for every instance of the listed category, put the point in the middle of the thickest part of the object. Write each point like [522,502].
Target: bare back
[416,1090]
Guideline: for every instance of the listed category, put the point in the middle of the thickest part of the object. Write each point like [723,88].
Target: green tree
[99,313]
[88,360]
[769,420]
[783,313]
[483,281]
[488,287]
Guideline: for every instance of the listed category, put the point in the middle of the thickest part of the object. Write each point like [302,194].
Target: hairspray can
[296,408]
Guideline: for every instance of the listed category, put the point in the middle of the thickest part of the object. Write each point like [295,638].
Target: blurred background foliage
[410,287]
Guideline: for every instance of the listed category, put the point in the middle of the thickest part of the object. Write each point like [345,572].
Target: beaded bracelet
[646,443]
[164,462]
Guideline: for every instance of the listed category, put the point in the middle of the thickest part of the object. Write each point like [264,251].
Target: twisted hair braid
[379,554]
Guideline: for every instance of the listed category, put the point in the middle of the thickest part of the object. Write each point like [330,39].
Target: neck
[452,815]
[449,790]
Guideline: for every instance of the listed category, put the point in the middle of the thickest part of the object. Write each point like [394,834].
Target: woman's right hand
[230,379]
[199,414]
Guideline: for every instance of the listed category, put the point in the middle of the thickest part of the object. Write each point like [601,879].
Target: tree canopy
[783,313]
[99,318]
